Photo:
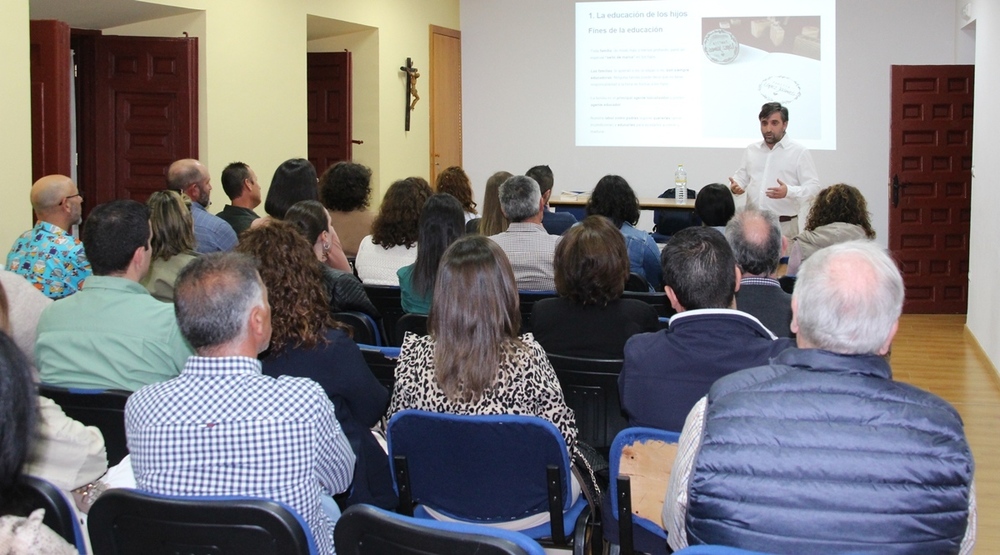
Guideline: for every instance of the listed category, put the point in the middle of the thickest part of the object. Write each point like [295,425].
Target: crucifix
[412,74]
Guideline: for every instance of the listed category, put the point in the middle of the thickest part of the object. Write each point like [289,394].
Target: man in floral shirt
[47,255]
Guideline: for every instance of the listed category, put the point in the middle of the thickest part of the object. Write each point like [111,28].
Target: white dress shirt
[762,167]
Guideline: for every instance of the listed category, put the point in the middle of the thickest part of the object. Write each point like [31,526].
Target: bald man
[47,255]
[211,233]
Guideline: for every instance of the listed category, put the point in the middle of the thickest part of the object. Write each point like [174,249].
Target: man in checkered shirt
[223,428]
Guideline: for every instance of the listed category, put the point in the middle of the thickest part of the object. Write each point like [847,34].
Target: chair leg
[403,484]
[555,505]
[625,515]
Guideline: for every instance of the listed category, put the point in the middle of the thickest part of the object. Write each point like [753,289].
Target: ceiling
[99,14]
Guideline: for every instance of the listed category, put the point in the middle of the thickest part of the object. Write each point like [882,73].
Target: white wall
[984,265]
[512,50]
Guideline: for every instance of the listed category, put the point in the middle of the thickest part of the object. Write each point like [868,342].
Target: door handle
[896,187]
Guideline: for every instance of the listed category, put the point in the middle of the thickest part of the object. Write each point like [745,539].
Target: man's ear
[794,325]
[888,342]
[547,195]
[739,277]
[257,320]
[784,245]
[673,298]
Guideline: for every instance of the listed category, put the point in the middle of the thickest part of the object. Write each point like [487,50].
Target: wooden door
[930,191]
[328,77]
[145,112]
[51,71]
[445,99]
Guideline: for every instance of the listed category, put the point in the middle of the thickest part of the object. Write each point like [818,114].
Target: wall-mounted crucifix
[412,74]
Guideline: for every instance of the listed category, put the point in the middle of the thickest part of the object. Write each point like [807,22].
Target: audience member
[393,242]
[192,435]
[555,223]
[488,371]
[241,186]
[454,181]
[306,342]
[756,240]
[613,198]
[819,450]
[294,181]
[715,206]
[665,373]
[839,214]
[492,220]
[172,242]
[20,535]
[312,221]
[24,309]
[441,223]
[345,189]
[529,248]
[47,255]
[113,334]
[590,319]
[211,233]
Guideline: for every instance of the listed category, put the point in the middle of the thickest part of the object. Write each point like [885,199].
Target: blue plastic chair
[128,521]
[621,526]
[32,493]
[486,470]
[101,408]
[368,530]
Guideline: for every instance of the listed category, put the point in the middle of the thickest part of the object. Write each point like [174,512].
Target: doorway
[446,100]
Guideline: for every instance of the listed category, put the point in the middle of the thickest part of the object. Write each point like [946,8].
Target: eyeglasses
[71,196]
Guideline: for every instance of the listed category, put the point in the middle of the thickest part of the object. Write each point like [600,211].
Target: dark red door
[930,191]
[328,76]
[145,112]
[51,130]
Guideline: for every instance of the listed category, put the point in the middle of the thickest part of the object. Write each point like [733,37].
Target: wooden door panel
[328,76]
[51,129]
[146,111]
[446,100]
[931,157]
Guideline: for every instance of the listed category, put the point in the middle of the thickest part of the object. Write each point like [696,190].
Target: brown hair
[475,317]
[591,262]
[300,310]
[840,203]
[172,224]
[398,220]
[455,182]
[493,220]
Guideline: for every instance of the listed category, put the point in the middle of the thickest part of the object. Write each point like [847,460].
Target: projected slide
[690,73]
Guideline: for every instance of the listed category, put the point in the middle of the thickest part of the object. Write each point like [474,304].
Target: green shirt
[411,301]
[111,335]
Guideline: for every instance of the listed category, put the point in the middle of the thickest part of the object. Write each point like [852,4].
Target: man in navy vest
[821,451]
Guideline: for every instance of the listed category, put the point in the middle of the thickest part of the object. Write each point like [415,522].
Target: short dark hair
[112,233]
[233,177]
[542,175]
[213,297]
[294,180]
[755,236]
[346,186]
[771,107]
[18,408]
[310,218]
[714,205]
[591,262]
[614,198]
[699,266]
[442,221]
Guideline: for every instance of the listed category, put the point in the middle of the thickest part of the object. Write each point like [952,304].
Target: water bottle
[680,184]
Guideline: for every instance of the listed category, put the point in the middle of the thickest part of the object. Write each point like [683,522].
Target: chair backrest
[382,362]
[368,530]
[669,221]
[590,387]
[416,323]
[527,300]
[387,299]
[365,329]
[715,550]
[125,521]
[479,468]
[657,299]
[649,471]
[103,409]
[32,493]
[637,283]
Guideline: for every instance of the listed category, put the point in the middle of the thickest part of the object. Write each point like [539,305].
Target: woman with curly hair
[345,190]
[172,241]
[345,290]
[455,182]
[307,342]
[614,199]
[839,214]
[492,221]
[589,319]
[393,242]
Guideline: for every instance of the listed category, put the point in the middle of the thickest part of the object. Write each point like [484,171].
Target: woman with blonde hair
[492,220]
[172,241]
[307,342]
